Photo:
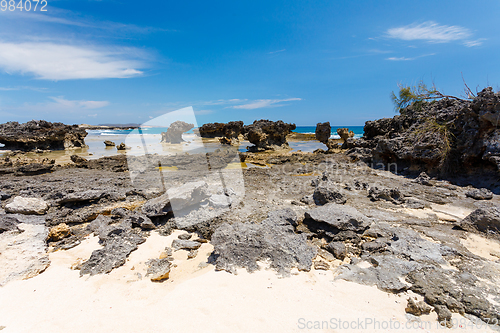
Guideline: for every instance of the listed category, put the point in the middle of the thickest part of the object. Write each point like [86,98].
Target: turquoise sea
[358,131]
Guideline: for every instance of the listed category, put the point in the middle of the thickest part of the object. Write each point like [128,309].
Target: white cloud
[273,52]
[409,59]
[67,104]
[431,32]
[203,112]
[472,43]
[264,103]
[52,61]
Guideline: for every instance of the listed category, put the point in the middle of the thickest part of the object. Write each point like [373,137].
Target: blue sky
[300,61]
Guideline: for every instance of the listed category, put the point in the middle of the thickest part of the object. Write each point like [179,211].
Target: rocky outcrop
[22,205]
[268,135]
[175,131]
[119,241]
[345,134]
[108,143]
[447,136]
[486,220]
[40,134]
[122,146]
[212,130]
[244,244]
[227,133]
[323,133]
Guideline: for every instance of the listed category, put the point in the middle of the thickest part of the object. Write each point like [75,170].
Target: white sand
[192,300]
[483,247]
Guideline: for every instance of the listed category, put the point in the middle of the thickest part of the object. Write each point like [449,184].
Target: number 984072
[26,5]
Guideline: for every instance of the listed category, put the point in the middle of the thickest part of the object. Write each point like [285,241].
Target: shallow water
[149,144]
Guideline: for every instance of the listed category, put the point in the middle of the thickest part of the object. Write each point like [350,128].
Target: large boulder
[227,133]
[485,220]
[174,132]
[28,206]
[40,134]
[177,199]
[244,244]
[268,135]
[332,218]
[323,133]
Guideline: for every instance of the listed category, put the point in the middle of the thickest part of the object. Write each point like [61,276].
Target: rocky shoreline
[412,230]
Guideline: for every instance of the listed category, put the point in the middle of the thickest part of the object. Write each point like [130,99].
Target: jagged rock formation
[345,134]
[227,133]
[109,143]
[446,136]
[268,135]
[174,132]
[244,244]
[323,133]
[41,134]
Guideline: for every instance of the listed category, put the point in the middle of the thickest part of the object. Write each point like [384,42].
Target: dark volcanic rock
[243,244]
[480,194]
[323,195]
[112,163]
[109,143]
[34,169]
[447,136]
[212,130]
[323,133]
[119,242]
[174,132]
[8,223]
[268,135]
[332,218]
[338,249]
[485,219]
[40,134]
[389,194]
[158,269]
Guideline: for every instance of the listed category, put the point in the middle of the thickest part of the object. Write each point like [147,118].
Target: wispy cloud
[472,43]
[60,102]
[409,59]
[23,88]
[52,61]
[273,52]
[56,108]
[431,32]
[264,103]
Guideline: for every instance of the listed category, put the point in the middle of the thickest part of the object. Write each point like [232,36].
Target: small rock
[220,201]
[28,206]
[109,143]
[321,265]
[323,195]
[417,308]
[185,236]
[4,196]
[374,246]
[444,315]
[122,146]
[389,194]
[158,269]
[338,249]
[58,232]
[192,254]
[179,244]
[423,179]
[479,194]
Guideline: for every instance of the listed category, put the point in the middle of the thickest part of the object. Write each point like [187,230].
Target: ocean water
[149,142]
[358,131]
